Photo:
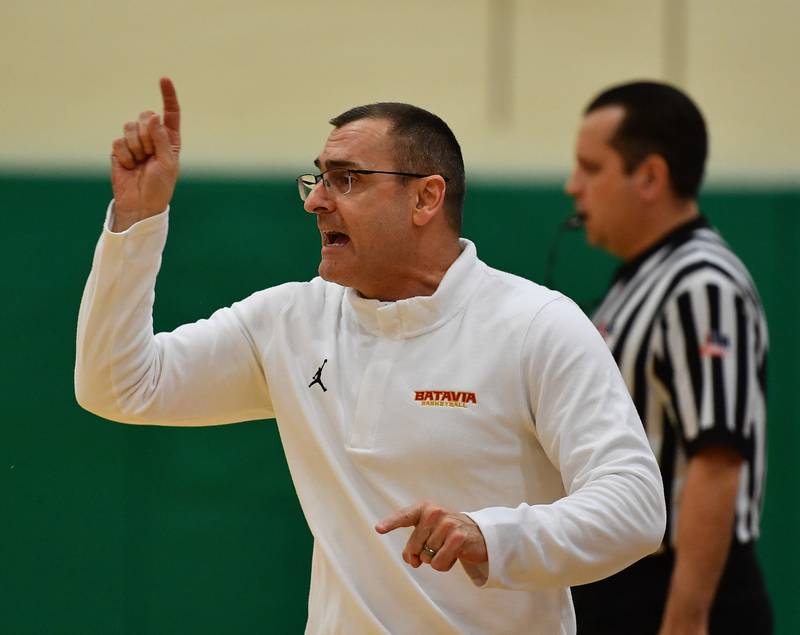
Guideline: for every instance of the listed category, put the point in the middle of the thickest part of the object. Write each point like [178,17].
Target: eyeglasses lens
[306,183]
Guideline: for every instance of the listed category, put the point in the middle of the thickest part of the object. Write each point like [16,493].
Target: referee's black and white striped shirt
[686,326]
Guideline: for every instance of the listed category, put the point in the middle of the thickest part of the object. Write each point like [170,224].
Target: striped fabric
[686,326]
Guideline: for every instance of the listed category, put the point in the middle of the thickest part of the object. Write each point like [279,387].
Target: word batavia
[448,398]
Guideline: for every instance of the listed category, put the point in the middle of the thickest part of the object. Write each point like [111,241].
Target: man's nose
[571,187]
[319,200]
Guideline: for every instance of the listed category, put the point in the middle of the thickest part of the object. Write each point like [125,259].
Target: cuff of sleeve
[153,220]
[717,437]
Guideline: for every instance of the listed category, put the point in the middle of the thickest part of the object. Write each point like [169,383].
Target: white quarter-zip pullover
[493,396]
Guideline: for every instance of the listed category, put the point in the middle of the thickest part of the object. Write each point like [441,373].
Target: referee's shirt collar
[676,237]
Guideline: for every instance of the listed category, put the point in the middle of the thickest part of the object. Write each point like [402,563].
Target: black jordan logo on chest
[318,377]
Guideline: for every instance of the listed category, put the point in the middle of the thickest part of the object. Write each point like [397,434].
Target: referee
[687,329]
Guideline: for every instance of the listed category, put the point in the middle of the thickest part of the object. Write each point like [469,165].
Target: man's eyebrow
[335,163]
[586,162]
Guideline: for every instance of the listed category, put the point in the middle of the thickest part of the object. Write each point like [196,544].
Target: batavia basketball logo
[445,398]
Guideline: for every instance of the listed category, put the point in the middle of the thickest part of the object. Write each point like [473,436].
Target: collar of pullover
[420,314]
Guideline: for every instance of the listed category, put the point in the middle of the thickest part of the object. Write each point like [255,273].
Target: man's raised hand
[145,162]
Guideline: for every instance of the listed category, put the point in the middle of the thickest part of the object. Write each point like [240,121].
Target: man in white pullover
[413,386]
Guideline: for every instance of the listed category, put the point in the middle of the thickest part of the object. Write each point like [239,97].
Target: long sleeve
[204,373]
[613,512]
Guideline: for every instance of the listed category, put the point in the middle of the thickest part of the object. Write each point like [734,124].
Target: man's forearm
[705,526]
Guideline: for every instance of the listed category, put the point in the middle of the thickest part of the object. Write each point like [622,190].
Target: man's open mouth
[331,238]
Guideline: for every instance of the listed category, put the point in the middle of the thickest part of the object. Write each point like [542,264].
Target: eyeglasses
[340,180]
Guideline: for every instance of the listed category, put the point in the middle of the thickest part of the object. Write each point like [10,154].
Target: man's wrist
[123,219]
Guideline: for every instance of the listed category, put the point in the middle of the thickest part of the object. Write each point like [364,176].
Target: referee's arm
[706,335]
[704,538]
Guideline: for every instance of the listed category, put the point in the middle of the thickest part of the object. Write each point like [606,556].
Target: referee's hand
[440,537]
[144,162]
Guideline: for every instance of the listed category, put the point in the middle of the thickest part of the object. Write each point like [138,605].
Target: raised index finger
[172,110]
[406,517]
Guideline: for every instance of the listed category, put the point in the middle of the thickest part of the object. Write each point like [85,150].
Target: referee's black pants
[632,601]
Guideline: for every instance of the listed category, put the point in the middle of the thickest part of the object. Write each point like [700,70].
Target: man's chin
[331,274]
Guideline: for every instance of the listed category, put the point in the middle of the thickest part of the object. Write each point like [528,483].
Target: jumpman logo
[318,377]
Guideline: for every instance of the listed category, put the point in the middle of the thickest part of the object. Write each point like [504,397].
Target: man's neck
[420,278]
[660,224]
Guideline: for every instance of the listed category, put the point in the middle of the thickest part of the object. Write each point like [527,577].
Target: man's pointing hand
[440,537]
[144,162]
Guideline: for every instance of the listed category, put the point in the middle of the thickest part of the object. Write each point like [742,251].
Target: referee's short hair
[659,119]
[423,144]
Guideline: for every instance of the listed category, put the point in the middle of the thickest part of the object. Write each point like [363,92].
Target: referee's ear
[652,178]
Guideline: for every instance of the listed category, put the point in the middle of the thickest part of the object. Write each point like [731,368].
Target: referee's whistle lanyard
[569,224]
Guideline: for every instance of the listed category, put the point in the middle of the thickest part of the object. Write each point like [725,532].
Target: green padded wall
[121,529]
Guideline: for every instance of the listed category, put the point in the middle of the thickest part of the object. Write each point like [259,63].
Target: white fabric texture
[493,396]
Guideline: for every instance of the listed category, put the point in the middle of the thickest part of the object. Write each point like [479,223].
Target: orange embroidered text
[446,398]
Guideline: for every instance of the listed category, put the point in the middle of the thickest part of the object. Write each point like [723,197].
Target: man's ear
[429,199]
[652,177]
